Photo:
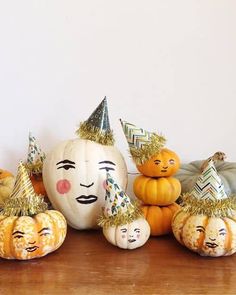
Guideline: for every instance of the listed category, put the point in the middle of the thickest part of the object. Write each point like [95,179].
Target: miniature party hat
[142,144]
[208,196]
[97,126]
[23,200]
[34,163]
[118,208]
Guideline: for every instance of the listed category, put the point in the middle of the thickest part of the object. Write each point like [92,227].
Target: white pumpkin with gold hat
[123,222]
[206,223]
[74,172]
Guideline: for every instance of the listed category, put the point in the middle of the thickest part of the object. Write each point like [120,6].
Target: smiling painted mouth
[86,199]
[211,245]
[131,240]
[32,249]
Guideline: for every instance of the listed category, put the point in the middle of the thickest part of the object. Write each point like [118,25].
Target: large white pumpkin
[74,174]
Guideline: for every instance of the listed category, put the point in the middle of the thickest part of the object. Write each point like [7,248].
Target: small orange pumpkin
[160,191]
[159,218]
[163,164]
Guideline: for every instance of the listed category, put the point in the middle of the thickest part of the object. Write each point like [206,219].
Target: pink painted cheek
[104,184]
[123,236]
[138,236]
[63,186]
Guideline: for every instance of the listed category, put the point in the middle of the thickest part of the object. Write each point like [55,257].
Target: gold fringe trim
[19,206]
[35,168]
[90,132]
[210,208]
[143,154]
[133,213]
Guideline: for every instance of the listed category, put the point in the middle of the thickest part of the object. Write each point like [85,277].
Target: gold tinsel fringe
[121,218]
[90,132]
[211,208]
[143,154]
[35,168]
[20,206]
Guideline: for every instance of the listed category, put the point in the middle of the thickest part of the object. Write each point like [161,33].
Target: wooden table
[87,264]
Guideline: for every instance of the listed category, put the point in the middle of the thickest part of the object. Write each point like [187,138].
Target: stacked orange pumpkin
[156,187]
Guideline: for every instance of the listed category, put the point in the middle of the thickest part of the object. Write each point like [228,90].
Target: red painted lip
[164,170]
[131,240]
[31,249]
[211,245]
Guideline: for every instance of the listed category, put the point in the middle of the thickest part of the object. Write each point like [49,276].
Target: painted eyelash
[18,236]
[44,234]
[107,169]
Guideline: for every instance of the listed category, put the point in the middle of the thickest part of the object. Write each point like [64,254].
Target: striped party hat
[118,208]
[97,126]
[142,144]
[34,163]
[208,196]
[23,201]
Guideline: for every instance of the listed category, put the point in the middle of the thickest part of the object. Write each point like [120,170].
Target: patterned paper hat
[118,208]
[97,126]
[34,163]
[142,144]
[208,196]
[23,199]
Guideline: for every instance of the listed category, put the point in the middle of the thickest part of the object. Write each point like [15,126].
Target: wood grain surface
[87,264]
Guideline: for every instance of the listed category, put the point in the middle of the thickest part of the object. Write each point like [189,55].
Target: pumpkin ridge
[182,228]
[229,238]
[10,241]
[55,231]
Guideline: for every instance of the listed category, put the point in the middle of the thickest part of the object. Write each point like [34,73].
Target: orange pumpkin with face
[163,164]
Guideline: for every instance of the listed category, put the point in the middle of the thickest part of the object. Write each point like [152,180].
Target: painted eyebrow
[65,162]
[18,232]
[222,230]
[137,229]
[107,162]
[45,228]
[199,226]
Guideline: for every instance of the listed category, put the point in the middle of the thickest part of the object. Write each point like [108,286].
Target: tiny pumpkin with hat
[123,223]
[75,170]
[156,185]
[27,229]
[206,223]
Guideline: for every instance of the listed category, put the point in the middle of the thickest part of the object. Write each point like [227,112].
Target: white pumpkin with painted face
[128,236]
[74,174]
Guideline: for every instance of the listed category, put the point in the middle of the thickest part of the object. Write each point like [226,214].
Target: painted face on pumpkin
[74,175]
[30,241]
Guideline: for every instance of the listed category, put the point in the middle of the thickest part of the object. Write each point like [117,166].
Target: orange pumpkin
[159,218]
[161,191]
[163,164]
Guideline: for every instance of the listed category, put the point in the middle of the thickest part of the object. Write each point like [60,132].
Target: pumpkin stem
[23,200]
[218,156]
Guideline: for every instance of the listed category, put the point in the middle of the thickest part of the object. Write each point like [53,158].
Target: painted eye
[18,236]
[123,230]
[222,232]
[45,234]
[200,229]
[66,167]
[157,162]
[107,169]
[171,161]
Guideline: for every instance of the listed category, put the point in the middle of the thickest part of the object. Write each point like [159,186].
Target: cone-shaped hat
[118,208]
[97,126]
[34,163]
[208,196]
[23,200]
[142,144]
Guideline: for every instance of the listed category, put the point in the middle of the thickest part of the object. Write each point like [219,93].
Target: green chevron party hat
[142,144]
[208,196]
[119,209]
[97,126]
[34,162]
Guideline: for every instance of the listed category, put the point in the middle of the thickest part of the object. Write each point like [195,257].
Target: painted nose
[212,239]
[85,185]
[165,167]
[31,243]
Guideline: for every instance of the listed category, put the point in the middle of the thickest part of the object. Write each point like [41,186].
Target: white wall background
[167,66]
